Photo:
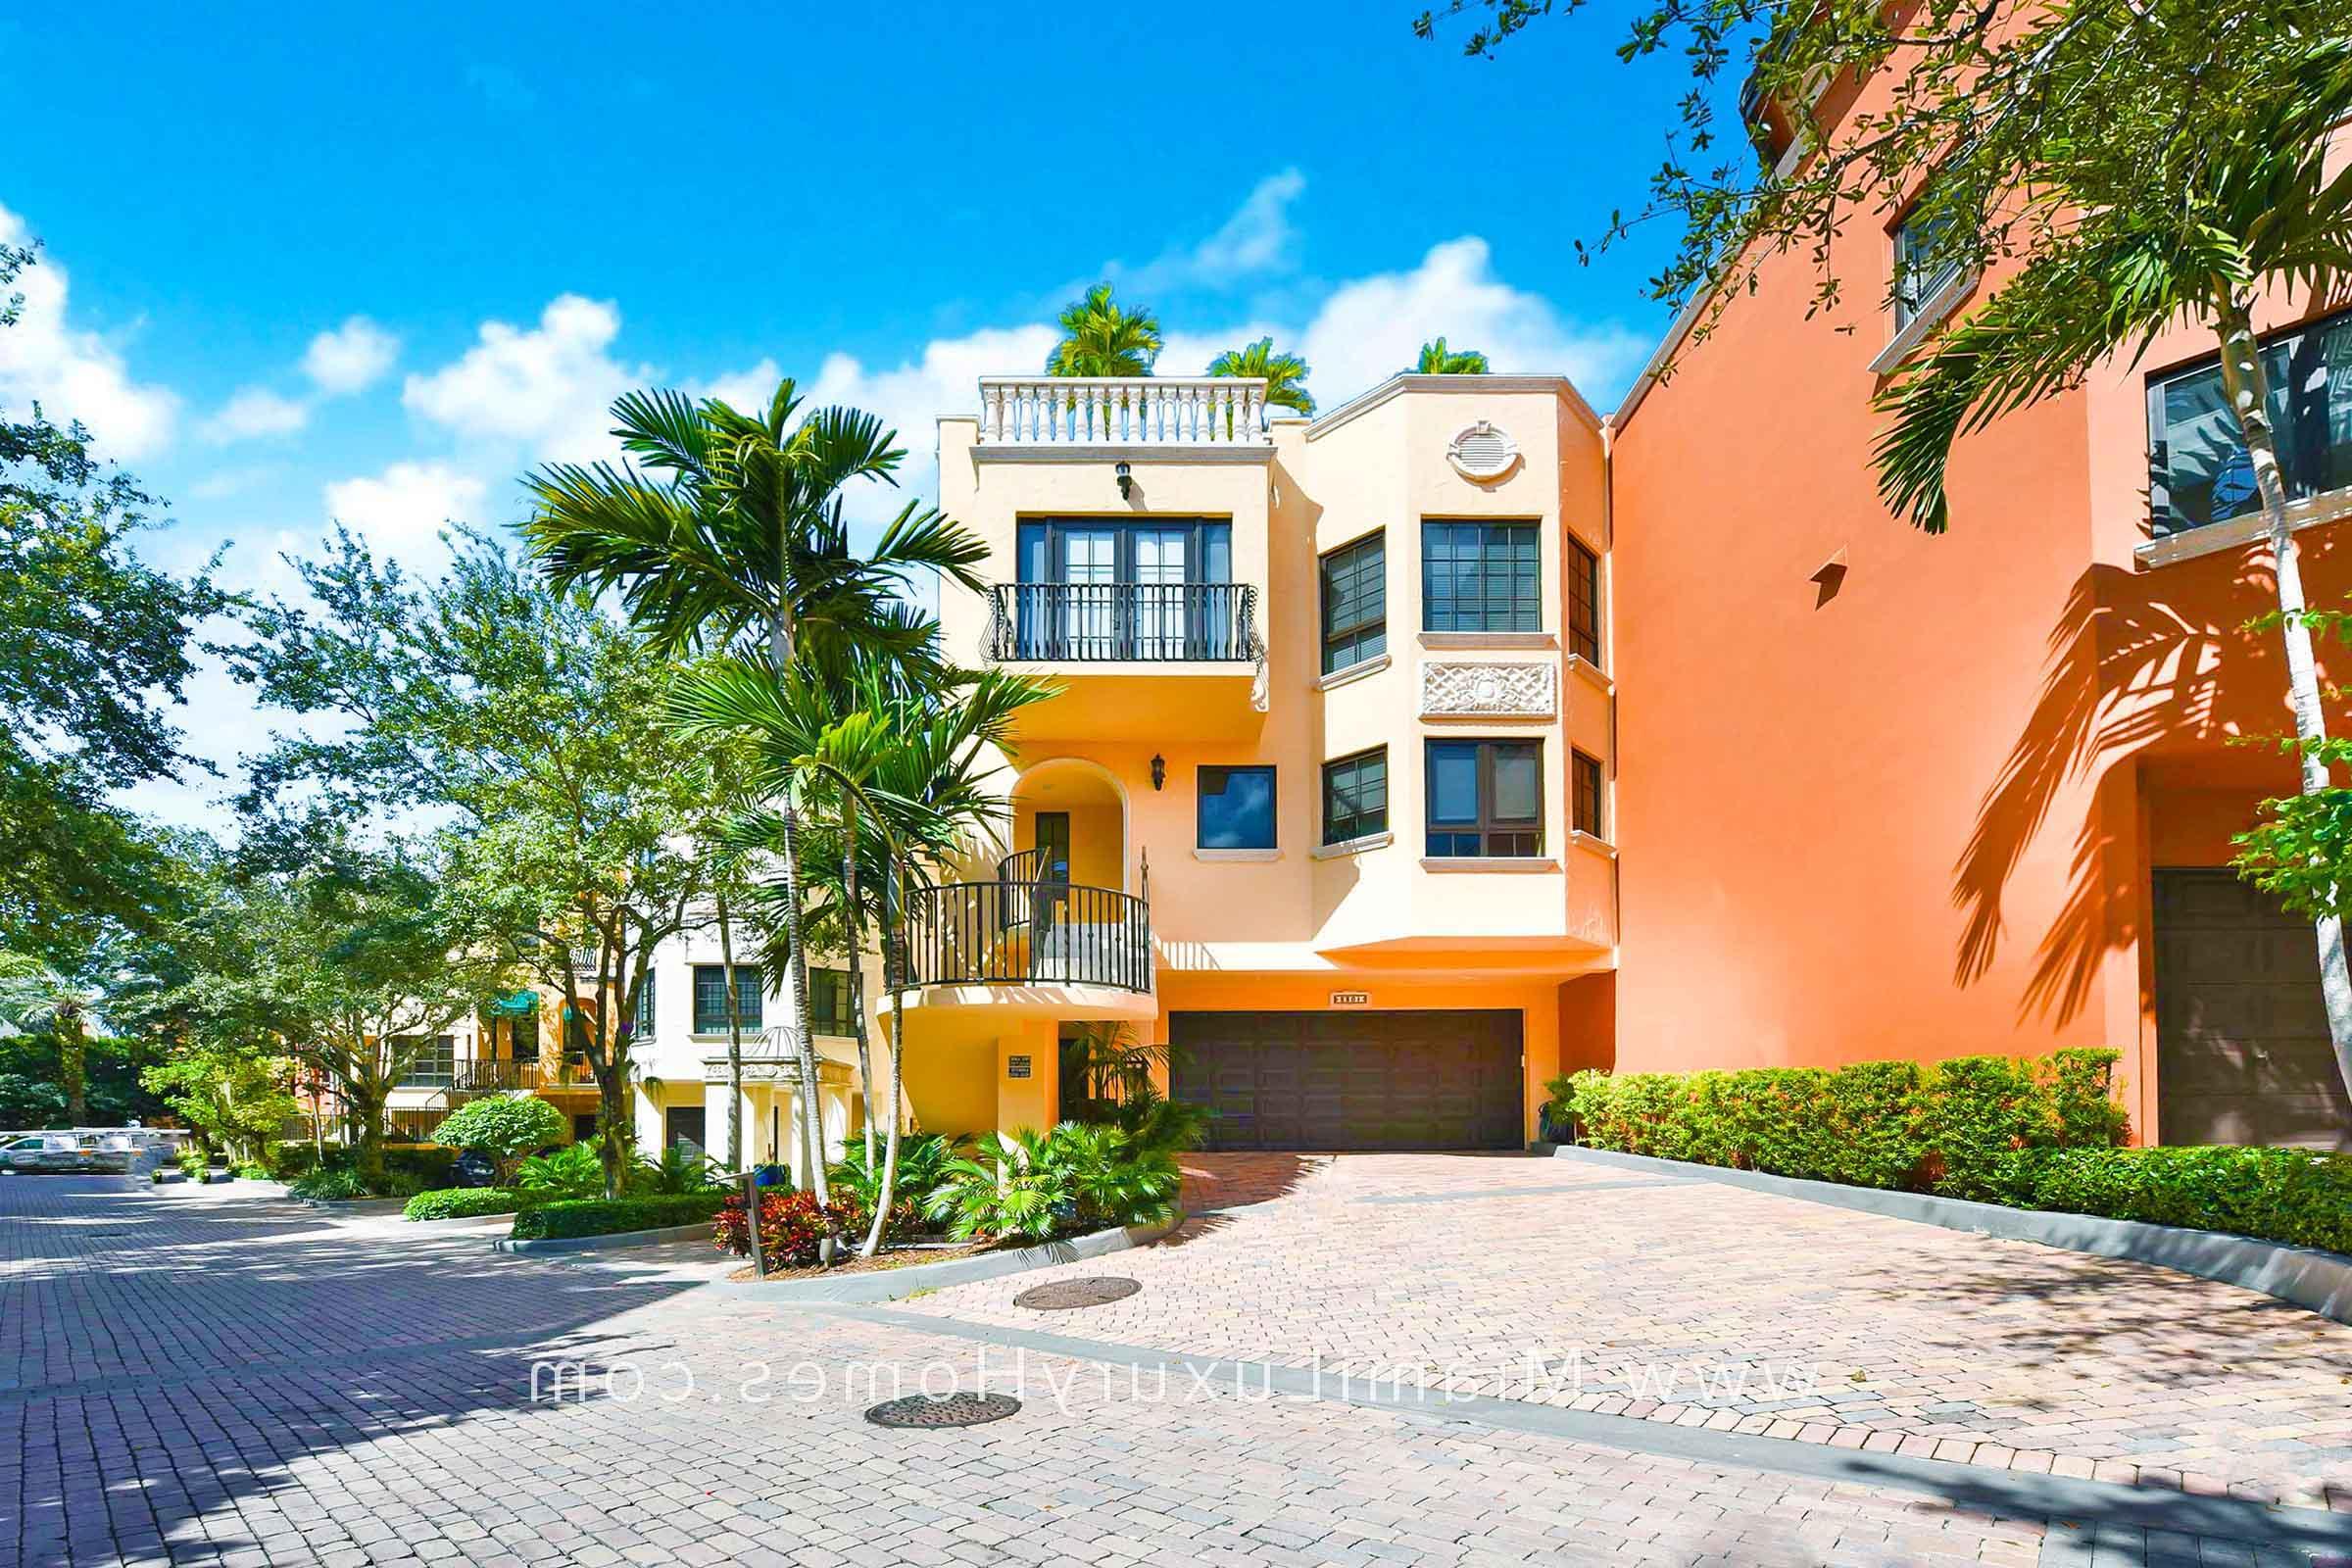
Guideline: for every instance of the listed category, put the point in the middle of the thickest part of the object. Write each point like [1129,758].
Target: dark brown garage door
[1352,1080]
[2241,1036]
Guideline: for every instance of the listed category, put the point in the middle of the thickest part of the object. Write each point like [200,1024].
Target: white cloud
[222,483]
[1257,238]
[1370,329]
[351,358]
[546,387]
[255,412]
[401,511]
[75,373]
[746,390]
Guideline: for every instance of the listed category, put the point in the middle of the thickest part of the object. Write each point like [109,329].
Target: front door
[1052,845]
[683,1124]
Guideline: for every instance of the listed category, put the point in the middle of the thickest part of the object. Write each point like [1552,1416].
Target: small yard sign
[1016,1066]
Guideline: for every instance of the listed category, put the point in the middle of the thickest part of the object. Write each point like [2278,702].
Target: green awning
[521,1004]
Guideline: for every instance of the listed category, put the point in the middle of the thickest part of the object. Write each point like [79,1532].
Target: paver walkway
[205,1377]
[1687,1301]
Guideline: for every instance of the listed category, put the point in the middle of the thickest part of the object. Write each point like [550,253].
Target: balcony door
[1108,590]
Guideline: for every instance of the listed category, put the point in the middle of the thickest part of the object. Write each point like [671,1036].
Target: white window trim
[1236,854]
[1490,639]
[1926,319]
[1354,846]
[1347,674]
[2190,543]
[1489,862]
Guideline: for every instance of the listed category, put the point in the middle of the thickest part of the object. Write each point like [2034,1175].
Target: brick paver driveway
[205,1377]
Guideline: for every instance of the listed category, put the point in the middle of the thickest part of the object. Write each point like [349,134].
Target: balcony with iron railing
[1026,928]
[1192,414]
[489,1076]
[1123,622]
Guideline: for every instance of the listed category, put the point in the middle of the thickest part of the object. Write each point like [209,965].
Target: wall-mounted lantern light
[1126,481]
[1160,771]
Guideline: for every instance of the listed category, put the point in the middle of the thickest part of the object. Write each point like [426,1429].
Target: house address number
[1351,998]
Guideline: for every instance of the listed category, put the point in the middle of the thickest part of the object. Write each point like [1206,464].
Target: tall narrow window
[1237,809]
[1355,796]
[1486,797]
[1925,263]
[1584,796]
[1355,603]
[1584,603]
[644,1007]
[830,1004]
[1481,576]
[711,997]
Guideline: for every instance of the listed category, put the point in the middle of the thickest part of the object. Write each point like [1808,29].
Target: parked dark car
[473,1168]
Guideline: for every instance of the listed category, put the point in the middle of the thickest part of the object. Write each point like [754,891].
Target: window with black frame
[711,997]
[831,1005]
[1235,809]
[1584,603]
[1587,795]
[432,1063]
[1925,263]
[1355,603]
[1485,799]
[1481,576]
[644,1029]
[1355,796]
[2199,469]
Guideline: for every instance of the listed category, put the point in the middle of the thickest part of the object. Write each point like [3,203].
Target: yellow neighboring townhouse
[1323,800]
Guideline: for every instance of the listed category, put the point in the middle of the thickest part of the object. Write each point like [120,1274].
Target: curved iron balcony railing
[1022,930]
[1123,622]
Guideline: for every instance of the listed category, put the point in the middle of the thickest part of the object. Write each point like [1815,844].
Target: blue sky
[371,263]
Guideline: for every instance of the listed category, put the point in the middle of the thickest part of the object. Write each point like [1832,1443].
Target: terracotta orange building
[1882,794]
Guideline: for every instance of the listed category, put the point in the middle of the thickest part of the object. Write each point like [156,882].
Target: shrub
[923,1159]
[791,1224]
[572,1171]
[505,1127]
[1031,1185]
[329,1182]
[156,1176]
[252,1174]
[193,1163]
[1949,1128]
[462,1203]
[291,1157]
[681,1169]
[609,1216]
[417,1167]
[2295,1196]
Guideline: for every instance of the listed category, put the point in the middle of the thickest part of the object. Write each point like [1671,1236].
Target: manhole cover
[943,1410]
[1064,1293]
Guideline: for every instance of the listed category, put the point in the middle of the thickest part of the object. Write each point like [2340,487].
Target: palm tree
[37,996]
[2169,218]
[908,770]
[726,528]
[1285,374]
[1101,337]
[1438,360]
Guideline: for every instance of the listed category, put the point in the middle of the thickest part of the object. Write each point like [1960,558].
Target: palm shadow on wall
[2130,674]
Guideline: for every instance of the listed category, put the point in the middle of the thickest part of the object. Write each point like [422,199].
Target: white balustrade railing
[1122,411]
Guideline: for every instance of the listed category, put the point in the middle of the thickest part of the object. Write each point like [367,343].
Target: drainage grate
[943,1410]
[1062,1295]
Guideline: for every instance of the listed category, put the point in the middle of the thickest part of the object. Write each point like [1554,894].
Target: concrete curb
[699,1229]
[354,1205]
[887,1284]
[2301,1276]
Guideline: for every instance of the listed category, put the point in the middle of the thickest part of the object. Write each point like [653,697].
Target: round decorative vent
[1482,452]
[920,1410]
[1062,1295]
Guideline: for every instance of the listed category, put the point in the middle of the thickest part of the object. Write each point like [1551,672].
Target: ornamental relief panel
[1461,690]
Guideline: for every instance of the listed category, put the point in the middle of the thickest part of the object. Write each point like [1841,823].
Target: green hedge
[2040,1132]
[1946,1127]
[463,1202]
[609,1216]
[2297,1196]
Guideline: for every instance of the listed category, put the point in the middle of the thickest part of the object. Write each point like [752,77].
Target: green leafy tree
[93,652]
[503,1127]
[727,532]
[1285,374]
[235,1098]
[2119,167]
[526,719]
[1101,337]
